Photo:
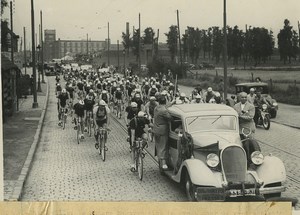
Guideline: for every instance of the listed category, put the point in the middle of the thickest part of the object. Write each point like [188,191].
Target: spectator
[161,131]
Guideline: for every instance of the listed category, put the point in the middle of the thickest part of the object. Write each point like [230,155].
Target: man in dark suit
[246,112]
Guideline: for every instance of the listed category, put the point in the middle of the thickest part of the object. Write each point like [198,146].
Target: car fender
[200,174]
[272,170]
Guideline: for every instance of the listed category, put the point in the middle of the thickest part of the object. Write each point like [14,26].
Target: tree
[127,41]
[148,39]
[135,43]
[3,5]
[172,41]
[235,43]
[217,43]
[261,44]
[148,36]
[285,44]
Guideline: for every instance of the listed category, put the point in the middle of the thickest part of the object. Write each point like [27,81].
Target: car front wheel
[190,188]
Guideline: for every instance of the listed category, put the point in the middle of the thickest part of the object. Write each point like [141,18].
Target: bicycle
[89,122]
[79,128]
[119,108]
[71,107]
[63,116]
[101,141]
[139,155]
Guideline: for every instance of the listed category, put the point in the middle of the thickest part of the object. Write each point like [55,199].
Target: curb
[17,193]
[289,125]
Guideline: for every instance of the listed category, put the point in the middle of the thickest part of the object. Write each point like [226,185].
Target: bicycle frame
[101,139]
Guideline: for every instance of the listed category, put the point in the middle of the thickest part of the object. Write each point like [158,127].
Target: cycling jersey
[138,124]
[63,99]
[89,104]
[79,109]
[118,95]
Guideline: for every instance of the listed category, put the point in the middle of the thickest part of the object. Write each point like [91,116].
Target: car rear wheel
[190,189]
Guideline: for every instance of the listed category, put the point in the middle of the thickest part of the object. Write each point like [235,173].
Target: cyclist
[62,102]
[89,104]
[130,112]
[137,99]
[137,126]
[197,100]
[70,89]
[101,117]
[118,98]
[79,109]
[104,96]
[183,98]
[57,78]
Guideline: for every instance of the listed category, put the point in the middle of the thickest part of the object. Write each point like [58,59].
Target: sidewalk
[20,136]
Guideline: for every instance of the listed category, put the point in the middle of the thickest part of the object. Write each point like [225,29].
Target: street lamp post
[39,89]
[124,52]
[35,103]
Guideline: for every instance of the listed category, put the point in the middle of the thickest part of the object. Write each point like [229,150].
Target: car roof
[201,109]
[252,84]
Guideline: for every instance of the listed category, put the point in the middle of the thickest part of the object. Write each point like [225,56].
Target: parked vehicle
[207,155]
[264,87]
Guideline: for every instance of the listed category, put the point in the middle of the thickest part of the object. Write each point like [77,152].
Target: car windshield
[207,123]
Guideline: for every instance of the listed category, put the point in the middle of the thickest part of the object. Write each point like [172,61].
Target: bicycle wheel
[89,128]
[140,164]
[64,121]
[78,133]
[103,151]
[99,143]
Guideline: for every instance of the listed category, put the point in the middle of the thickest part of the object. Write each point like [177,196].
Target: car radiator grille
[234,164]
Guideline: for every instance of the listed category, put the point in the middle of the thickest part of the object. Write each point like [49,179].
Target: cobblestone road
[63,170]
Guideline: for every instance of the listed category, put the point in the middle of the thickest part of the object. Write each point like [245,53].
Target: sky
[74,19]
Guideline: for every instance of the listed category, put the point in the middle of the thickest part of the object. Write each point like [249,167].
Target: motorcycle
[263,117]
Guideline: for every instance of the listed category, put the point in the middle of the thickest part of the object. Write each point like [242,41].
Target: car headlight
[257,158]
[264,107]
[275,104]
[212,160]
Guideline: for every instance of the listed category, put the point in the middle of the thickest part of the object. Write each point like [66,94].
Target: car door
[175,127]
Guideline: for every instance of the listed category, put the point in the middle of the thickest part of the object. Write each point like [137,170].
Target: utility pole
[157,41]
[12,33]
[25,58]
[35,104]
[139,36]
[225,52]
[39,89]
[87,44]
[118,56]
[108,63]
[42,49]
[179,42]
[299,36]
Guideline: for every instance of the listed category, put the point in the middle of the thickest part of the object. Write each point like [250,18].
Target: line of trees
[132,42]
[255,43]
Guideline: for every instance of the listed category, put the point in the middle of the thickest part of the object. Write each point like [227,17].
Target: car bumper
[220,194]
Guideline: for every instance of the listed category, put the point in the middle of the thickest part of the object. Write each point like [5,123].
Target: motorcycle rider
[251,96]
[259,100]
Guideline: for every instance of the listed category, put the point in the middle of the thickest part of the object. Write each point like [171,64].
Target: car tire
[190,188]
